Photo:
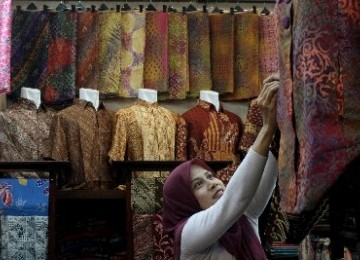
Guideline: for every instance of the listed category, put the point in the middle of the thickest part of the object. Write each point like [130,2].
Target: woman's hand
[267,101]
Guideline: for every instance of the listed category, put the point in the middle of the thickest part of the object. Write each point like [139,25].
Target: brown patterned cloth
[82,135]
[145,131]
[247,74]
[222,52]
[213,136]
[87,50]
[199,53]
[156,70]
[24,133]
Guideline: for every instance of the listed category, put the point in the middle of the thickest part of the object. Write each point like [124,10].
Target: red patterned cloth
[5,45]
[319,111]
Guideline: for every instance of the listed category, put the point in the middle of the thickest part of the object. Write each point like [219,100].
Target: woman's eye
[210,176]
[197,185]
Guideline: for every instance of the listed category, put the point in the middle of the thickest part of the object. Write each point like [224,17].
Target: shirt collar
[141,102]
[84,104]
[209,106]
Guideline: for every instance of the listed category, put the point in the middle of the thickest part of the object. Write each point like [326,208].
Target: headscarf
[180,203]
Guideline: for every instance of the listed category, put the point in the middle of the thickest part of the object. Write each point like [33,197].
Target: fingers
[267,93]
[272,77]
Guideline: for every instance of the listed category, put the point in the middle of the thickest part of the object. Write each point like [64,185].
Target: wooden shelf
[87,194]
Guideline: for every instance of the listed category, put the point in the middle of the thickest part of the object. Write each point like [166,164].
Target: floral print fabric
[5,37]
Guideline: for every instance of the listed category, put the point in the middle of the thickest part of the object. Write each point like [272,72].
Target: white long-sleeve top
[247,192]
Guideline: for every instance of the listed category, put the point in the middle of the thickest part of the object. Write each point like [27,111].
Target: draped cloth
[87,56]
[5,45]
[247,75]
[222,52]
[58,81]
[156,51]
[109,52]
[29,52]
[178,56]
[199,53]
[319,107]
[132,53]
[268,44]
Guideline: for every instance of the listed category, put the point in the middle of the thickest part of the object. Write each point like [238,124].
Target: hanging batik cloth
[246,41]
[29,52]
[87,51]
[132,53]
[156,71]
[268,53]
[5,45]
[178,56]
[319,108]
[199,52]
[109,53]
[222,52]
[58,81]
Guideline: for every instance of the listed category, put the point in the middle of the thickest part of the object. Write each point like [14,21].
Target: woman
[208,221]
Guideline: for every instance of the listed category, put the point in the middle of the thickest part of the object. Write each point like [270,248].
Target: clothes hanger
[238,8]
[61,7]
[31,7]
[150,7]
[126,7]
[118,8]
[191,8]
[265,11]
[217,10]
[103,7]
[80,7]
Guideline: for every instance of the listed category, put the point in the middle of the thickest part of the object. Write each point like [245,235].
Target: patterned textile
[319,72]
[24,132]
[24,237]
[87,50]
[109,52]
[199,52]
[2,102]
[58,81]
[268,53]
[24,197]
[29,52]
[247,75]
[222,52]
[156,71]
[149,240]
[252,126]
[178,56]
[5,38]
[132,52]
[213,135]
[145,131]
[82,135]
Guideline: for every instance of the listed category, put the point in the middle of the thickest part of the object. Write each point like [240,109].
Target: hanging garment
[156,70]
[24,133]
[58,81]
[29,52]
[109,53]
[268,44]
[222,52]
[5,45]
[247,75]
[145,131]
[199,53]
[82,135]
[318,104]
[87,50]
[132,52]
[178,56]
[213,136]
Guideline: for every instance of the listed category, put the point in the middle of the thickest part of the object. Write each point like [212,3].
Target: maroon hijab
[180,203]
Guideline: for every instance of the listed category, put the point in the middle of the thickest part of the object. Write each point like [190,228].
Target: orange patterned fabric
[247,75]
[132,53]
[178,56]
[199,53]
[109,52]
[222,52]
[144,131]
[87,50]
[156,71]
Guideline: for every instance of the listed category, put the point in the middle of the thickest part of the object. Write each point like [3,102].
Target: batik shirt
[82,135]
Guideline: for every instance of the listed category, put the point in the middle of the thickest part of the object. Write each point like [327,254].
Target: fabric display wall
[119,52]
[24,131]
[318,104]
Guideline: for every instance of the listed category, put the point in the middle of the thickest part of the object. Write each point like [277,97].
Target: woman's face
[207,189]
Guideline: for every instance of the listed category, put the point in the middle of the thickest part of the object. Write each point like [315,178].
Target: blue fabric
[24,197]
